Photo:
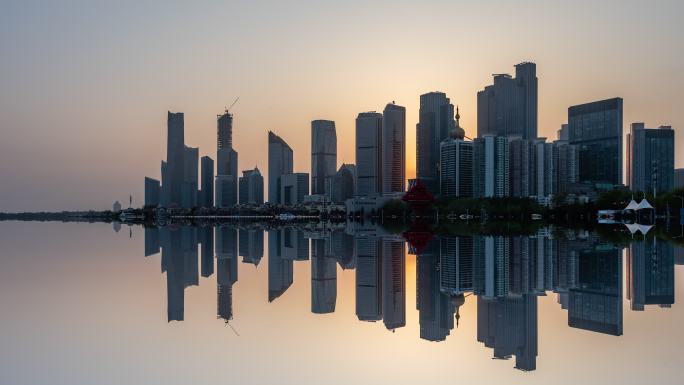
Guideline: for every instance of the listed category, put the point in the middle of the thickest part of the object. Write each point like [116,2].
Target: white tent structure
[631,206]
[644,205]
[635,227]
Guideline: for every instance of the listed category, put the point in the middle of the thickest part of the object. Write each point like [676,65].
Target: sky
[85,85]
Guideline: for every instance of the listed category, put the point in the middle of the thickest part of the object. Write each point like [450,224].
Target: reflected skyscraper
[323,278]
[206,239]
[226,270]
[251,245]
[152,243]
[368,279]
[650,273]
[509,326]
[436,309]
[596,302]
[393,283]
[279,269]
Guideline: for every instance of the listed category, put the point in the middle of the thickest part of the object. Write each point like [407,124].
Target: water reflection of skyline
[505,273]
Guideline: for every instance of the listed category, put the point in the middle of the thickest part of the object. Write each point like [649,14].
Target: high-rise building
[224,131]
[293,188]
[456,164]
[190,176]
[509,106]
[343,184]
[207,176]
[152,189]
[564,132]
[679,178]
[650,158]
[564,166]
[323,156]
[175,159]
[252,187]
[226,178]
[456,264]
[596,129]
[435,122]
[393,149]
[279,163]
[491,167]
[369,154]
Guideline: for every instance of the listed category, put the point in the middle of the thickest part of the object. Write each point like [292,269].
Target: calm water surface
[83,304]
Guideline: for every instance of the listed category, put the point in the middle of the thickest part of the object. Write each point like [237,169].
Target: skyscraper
[491,167]
[343,184]
[224,131]
[679,178]
[393,149]
[509,106]
[226,163]
[207,190]
[293,188]
[596,129]
[252,187]
[279,163]
[435,122]
[189,193]
[650,158]
[369,154]
[226,178]
[175,159]
[152,189]
[323,155]
[456,164]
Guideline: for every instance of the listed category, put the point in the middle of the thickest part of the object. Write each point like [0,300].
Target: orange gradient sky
[84,88]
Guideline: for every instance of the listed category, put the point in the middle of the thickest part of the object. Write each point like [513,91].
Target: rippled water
[177,305]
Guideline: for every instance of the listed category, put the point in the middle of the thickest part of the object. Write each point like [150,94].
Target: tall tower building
[207,176]
[509,106]
[224,132]
[491,167]
[252,187]
[369,154]
[226,177]
[323,155]
[226,163]
[279,163]
[456,164]
[435,122]
[596,129]
[190,177]
[175,159]
[650,158]
[393,149]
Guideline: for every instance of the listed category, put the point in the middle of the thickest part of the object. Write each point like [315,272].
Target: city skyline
[329,87]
